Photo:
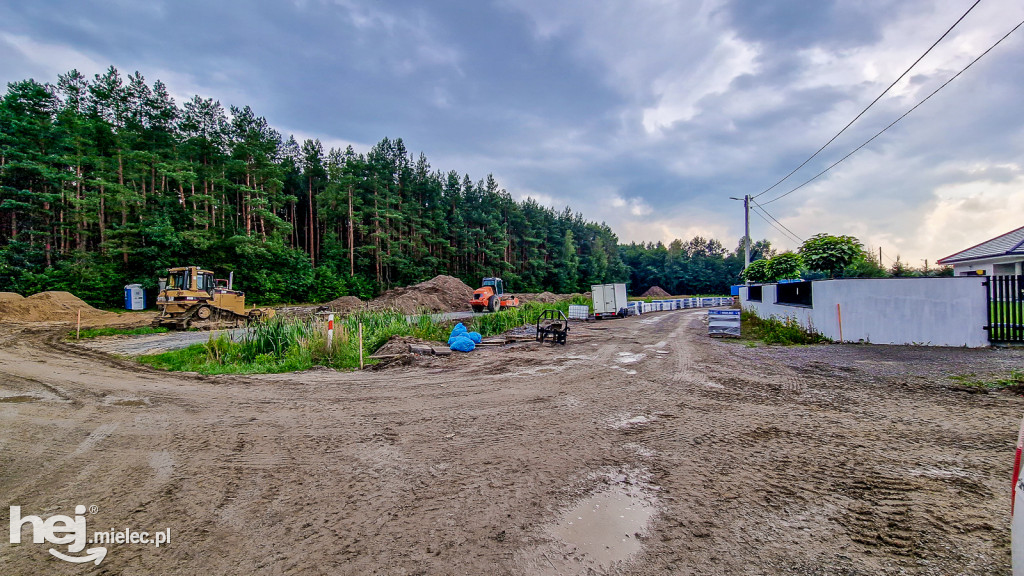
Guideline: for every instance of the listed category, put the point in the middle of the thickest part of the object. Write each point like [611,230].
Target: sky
[644,114]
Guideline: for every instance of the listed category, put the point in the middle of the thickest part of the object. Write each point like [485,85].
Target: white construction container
[609,300]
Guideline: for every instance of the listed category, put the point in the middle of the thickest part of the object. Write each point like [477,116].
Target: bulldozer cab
[495,283]
[190,278]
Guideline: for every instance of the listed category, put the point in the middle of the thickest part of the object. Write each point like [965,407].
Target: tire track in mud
[813,481]
[798,465]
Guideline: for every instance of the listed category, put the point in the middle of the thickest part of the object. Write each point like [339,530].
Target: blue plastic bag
[459,329]
[462,344]
[475,337]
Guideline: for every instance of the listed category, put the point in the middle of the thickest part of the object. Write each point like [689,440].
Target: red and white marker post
[330,333]
[1017,522]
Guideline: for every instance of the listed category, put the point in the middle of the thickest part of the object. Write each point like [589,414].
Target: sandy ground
[642,447]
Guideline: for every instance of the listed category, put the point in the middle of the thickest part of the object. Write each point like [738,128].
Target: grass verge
[288,345]
[113,331]
[1014,382]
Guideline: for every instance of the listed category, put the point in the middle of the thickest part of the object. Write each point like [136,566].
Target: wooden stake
[360,345]
[839,313]
[78,330]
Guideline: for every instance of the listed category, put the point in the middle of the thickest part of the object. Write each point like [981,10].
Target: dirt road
[642,447]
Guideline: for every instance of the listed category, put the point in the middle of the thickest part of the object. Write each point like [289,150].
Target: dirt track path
[807,460]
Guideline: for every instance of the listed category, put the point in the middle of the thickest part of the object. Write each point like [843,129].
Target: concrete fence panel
[924,311]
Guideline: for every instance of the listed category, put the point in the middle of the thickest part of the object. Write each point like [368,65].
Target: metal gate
[1005,309]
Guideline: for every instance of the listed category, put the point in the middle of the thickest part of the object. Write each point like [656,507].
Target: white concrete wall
[925,311]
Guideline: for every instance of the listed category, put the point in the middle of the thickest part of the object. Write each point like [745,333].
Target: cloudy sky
[646,114]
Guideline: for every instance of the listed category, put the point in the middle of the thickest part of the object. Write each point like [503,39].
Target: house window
[754,293]
[794,294]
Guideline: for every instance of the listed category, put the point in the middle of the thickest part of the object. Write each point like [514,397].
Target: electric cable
[873,102]
[781,231]
[904,115]
[762,209]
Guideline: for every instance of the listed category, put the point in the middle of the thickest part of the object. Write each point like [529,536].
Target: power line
[873,102]
[762,209]
[904,115]
[772,224]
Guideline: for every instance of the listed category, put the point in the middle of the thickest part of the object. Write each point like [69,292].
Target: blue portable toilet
[134,297]
[734,290]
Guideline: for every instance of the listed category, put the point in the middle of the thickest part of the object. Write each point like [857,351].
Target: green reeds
[291,344]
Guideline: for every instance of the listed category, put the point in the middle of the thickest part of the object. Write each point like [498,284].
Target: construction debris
[421,349]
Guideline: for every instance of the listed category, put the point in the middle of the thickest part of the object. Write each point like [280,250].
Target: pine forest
[107,181]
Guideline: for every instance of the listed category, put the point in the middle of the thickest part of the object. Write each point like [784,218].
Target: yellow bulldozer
[191,297]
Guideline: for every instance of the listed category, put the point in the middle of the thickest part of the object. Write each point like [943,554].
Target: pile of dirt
[655,292]
[345,304]
[542,297]
[10,297]
[48,307]
[400,345]
[439,294]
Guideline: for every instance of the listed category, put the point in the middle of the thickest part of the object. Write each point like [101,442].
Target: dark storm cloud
[646,114]
[798,23]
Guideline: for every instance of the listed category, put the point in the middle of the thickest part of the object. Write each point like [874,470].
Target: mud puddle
[608,526]
[600,533]
[17,399]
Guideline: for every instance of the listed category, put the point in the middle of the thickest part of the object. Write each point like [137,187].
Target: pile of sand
[655,292]
[345,304]
[439,294]
[47,307]
[10,297]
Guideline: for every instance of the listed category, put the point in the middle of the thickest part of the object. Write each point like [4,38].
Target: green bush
[773,331]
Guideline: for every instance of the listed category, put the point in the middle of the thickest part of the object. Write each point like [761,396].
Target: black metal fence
[1005,309]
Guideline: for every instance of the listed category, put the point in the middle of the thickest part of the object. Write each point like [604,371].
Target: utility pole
[746,231]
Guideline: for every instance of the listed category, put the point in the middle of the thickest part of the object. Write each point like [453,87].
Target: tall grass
[773,331]
[286,345]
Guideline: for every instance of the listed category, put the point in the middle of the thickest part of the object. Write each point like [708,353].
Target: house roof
[1009,244]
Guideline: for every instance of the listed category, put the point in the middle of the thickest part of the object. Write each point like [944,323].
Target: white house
[998,256]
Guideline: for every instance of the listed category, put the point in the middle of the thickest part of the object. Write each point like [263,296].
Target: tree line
[107,181]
